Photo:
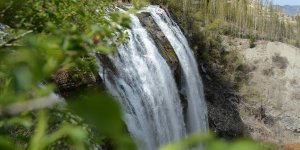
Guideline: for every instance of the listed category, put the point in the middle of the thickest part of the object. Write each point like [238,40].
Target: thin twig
[12,45]
[4,10]
[15,38]
[36,104]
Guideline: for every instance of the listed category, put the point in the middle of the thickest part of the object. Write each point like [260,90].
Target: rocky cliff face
[222,101]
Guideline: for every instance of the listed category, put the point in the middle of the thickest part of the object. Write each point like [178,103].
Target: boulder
[68,81]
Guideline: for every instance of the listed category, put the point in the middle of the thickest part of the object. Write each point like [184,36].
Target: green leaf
[101,109]
[6,144]
[104,49]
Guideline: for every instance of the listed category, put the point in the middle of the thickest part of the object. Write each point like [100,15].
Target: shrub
[280,61]
[268,72]
[252,41]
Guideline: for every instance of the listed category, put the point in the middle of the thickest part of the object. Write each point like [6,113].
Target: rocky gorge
[223,114]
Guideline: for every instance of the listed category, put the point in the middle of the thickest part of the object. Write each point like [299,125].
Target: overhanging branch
[36,104]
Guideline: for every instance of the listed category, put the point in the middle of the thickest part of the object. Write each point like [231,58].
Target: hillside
[290,10]
[270,89]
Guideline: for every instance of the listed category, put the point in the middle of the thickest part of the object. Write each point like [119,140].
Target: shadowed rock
[71,80]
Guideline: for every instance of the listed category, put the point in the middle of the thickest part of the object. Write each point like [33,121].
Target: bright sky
[287,2]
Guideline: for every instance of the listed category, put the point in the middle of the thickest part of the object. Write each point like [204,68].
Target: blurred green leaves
[7,144]
[103,111]
[41,139]
[210,142]
[93,107]
[64,35]
[191,140]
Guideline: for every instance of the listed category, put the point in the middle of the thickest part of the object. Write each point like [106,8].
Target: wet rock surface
[160,40]
[167,51]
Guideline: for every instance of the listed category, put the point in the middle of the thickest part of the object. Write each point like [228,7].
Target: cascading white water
[147,91]
[197,109]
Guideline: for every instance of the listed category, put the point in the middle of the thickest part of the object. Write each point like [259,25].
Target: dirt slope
[271,105]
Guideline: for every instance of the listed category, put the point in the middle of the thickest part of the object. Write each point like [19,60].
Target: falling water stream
[146,89]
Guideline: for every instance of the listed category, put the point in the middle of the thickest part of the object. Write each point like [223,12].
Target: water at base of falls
[146,88]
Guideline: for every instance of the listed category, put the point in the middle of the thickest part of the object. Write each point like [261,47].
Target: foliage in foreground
[48,36]
[209,142]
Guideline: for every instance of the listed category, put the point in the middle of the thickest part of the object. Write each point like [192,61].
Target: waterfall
[144,85]
[197,110]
